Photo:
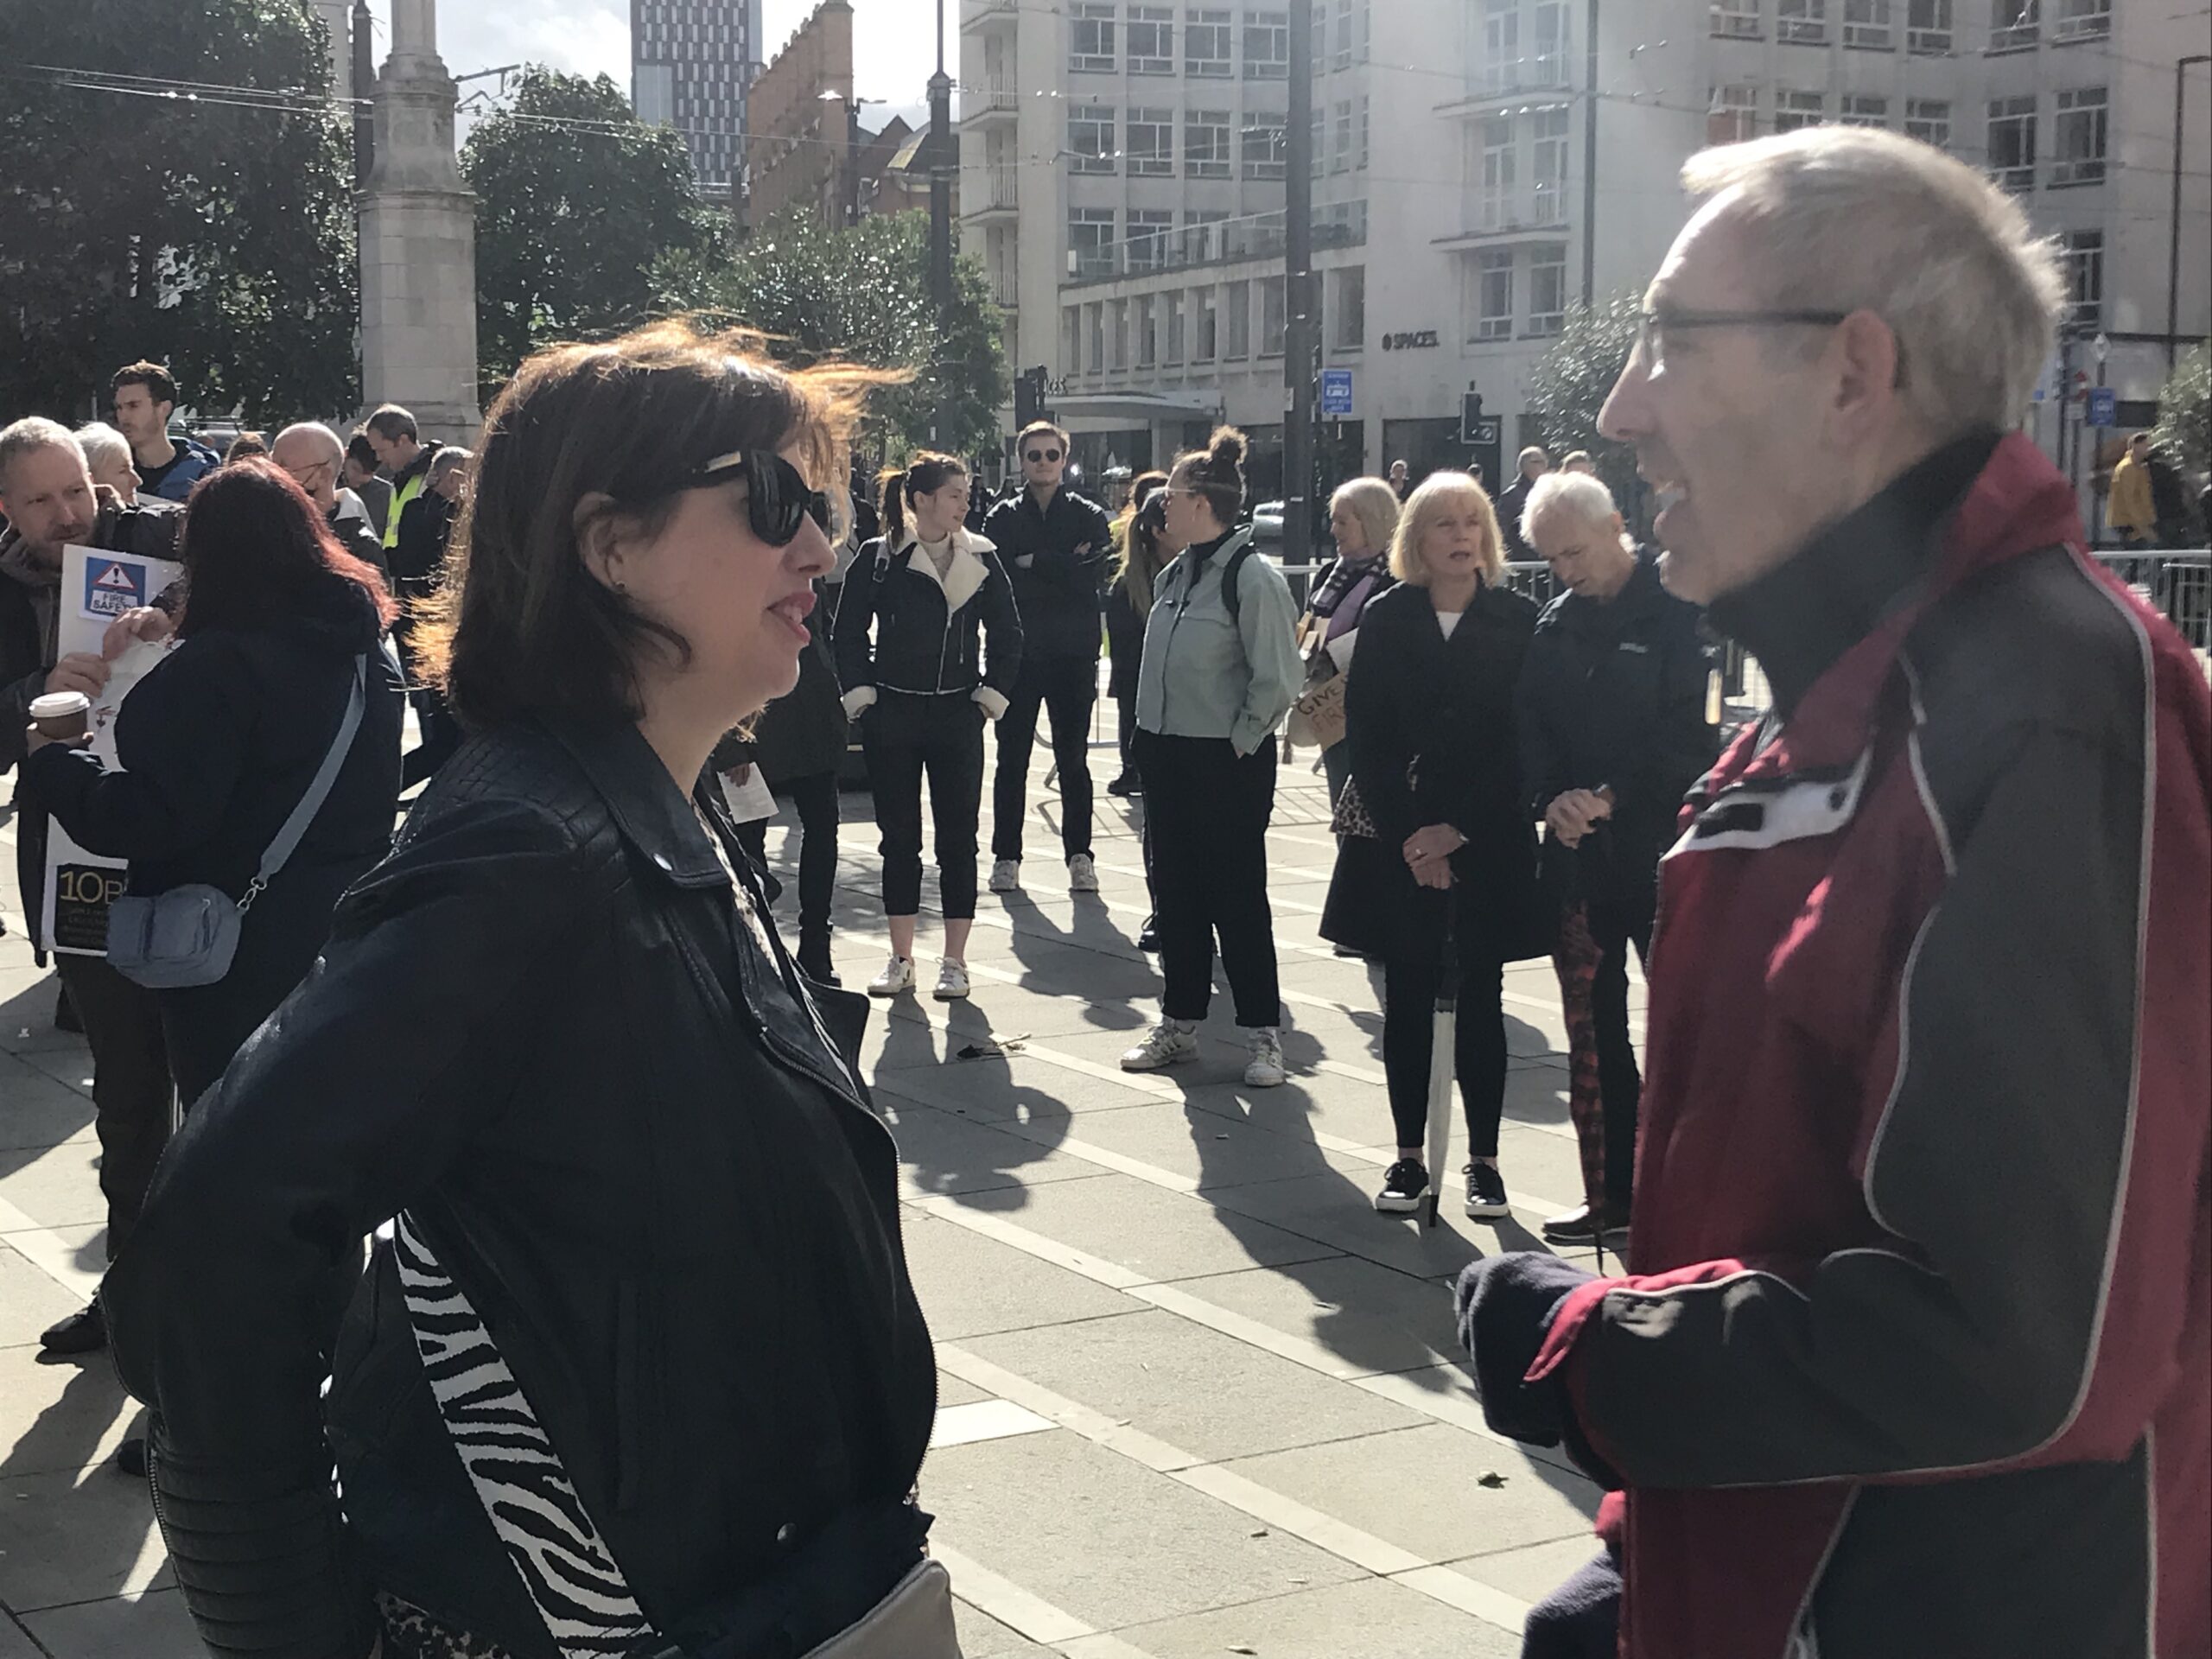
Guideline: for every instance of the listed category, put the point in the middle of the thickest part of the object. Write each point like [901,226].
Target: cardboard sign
[80,885]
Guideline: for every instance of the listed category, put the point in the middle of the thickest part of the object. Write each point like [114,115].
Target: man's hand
[740,775]
[79,671]
[144,623]
[1573,812]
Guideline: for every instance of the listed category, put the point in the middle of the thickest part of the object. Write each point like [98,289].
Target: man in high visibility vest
[393,433]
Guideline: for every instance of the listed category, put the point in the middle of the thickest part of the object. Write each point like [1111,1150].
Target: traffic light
[1029,397]
[1470,417]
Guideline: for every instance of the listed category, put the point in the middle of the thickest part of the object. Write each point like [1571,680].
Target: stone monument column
[418,242]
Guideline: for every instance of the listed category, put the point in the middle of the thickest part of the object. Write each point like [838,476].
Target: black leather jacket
[543,1030]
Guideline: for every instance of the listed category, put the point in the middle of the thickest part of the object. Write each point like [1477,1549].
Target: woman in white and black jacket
[946,644]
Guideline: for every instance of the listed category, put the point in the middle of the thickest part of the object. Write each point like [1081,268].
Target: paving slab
[944,1152]
[152,1626]
[1007,1087]
[952,1391]
[40,1104]
[30,1299]
[54,1186]
[1371,1318]
[970,1286]
[1106,1540]
[1370,1618]
[95,1537]
[1213,1149]
[1195,1389]
[58,1417]
[1158,1234]
[15,1642]
[1421,1488]
[982,1636]
[1532,1571]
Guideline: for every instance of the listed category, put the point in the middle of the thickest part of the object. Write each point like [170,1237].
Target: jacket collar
[969,572]
[654,816]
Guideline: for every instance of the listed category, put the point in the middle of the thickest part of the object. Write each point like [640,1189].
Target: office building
[691,62]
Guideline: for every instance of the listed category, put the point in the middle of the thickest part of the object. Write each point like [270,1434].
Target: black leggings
[905,735]
[1478,1047]
[815,800]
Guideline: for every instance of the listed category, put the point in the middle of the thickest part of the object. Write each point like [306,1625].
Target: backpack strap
[287,841]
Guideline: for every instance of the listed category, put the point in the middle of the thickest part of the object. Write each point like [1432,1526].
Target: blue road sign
[2104,406]
[1336,392]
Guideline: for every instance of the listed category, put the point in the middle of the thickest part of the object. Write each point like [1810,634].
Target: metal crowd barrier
[2176,582]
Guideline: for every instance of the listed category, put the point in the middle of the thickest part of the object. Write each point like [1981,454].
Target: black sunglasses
[776,499]
[1043,454]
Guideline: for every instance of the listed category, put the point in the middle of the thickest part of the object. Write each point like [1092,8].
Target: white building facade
[1121,180]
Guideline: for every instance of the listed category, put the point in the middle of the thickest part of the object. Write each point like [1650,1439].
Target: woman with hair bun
[1218,674]
[945,647]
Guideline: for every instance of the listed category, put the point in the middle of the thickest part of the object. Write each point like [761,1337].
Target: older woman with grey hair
[1362,516]
[107,457]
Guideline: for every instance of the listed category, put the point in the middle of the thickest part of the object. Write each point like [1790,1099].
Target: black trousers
[1409,986]
[1125,722]
[1067,689]
[1613,924]
[815,800]
[131,1092]
[904,737]
[1206,811]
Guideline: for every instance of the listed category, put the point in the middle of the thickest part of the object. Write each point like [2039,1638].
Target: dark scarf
[1339,579]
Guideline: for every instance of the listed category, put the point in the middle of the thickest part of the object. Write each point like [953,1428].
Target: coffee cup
[65,716]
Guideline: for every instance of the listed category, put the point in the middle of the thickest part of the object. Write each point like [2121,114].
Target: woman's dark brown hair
[255,547]
[1215,473]
[1141,562]
[521,624]
[925,474]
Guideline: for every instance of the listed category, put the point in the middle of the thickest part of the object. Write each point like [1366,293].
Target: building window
[1550,170]
[1340,47]
[1264,146]
[1348,307]
[1072,338]
[1731,115]
[1121,311]
[2012,25]
[2084,254]
[1928,28]
[1340,153]
[1359,142]
[1091,37]
[1498,164]
[1147,332]
[1204,234]
[1152,40]
[2077,138]
[1171,306]
[1237,341]
[1206,143]
[1548,59]
[1151,147]
[2081,20]
[1271,317]
[1793,110]
[1206,45]
[2013,142]
[1805,22]
[1501,45]
[1737,20]
[1493,295]
[1928,119]
[1547,290]
[1267,47]
[1864,110]
[1094,326]
[1206,326]
[1340,224]
[1867,25]
[1090,139]
[1091,241]
[1147,235]
[1316,149]
[1318,55]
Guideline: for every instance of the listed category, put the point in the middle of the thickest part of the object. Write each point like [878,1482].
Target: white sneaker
[952,981]
[1006,876]
[896,979]
[1169,1043]
[1265,1069]
[1083,873]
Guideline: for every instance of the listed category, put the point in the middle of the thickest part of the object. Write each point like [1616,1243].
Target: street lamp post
[2173,246]
[940,213]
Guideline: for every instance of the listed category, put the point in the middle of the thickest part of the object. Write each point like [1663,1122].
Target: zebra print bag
[566,1568]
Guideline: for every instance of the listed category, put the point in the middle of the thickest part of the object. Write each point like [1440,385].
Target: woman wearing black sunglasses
[644,1272]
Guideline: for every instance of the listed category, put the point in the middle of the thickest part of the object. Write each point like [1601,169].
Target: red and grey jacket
[1917,1356]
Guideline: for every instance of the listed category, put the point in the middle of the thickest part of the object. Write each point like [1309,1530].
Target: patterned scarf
[1339,579]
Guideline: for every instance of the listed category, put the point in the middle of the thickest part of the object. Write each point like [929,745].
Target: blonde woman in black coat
[1451,861]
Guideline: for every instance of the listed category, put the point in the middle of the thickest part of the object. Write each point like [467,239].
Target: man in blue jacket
[1056,546]
[145,398]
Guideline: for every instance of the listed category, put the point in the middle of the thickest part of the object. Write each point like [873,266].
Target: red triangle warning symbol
[115,576]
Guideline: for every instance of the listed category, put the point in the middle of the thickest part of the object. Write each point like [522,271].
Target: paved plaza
[1195,1396]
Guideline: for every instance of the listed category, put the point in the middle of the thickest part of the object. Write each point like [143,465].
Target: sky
[892,50]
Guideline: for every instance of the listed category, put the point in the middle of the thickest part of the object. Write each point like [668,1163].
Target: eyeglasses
[1654,327]
[1036,455]
[778,501]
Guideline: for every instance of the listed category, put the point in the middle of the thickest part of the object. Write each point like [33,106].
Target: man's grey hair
[1534,452]
[1580,497]
[34,432]
[451,459]
[330,440]
[103,444]
[1856,218]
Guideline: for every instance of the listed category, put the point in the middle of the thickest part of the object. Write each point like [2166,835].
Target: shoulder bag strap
[287,838]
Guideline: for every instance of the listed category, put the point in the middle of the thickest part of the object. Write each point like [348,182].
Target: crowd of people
[1912,1350]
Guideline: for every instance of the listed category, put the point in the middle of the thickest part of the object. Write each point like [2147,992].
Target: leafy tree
[2185,429]
[576,200]
[1569,384]
[862,294]
[209,229]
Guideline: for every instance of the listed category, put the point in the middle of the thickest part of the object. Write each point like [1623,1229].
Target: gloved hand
[1506,1305]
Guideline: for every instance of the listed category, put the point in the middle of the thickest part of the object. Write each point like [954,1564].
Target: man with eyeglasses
[1914,1353]
[1055,545]
[313,455]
